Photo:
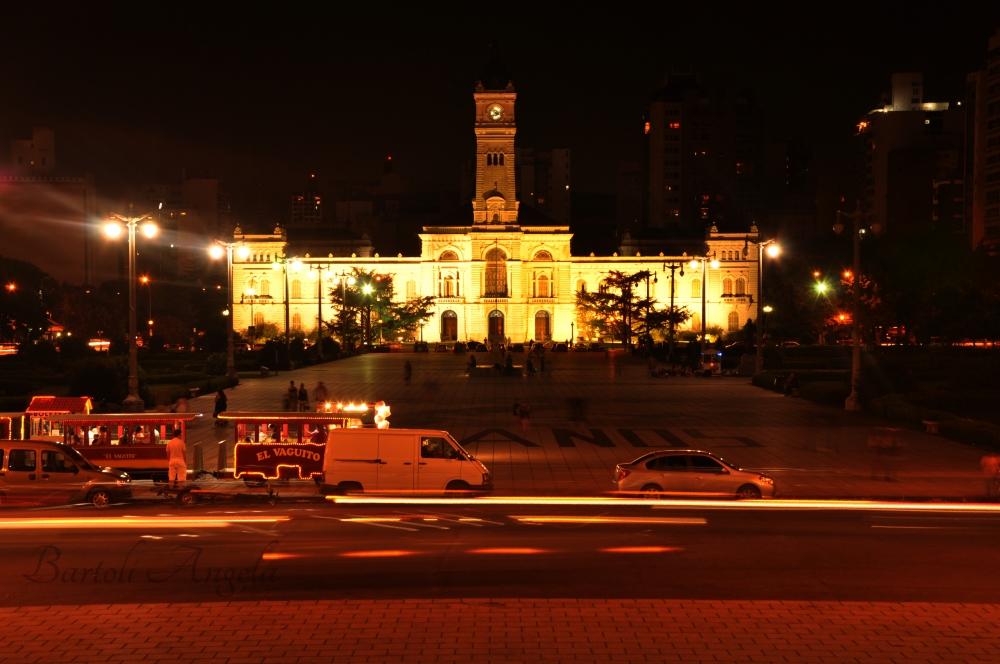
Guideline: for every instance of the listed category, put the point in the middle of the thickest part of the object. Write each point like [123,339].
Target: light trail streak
[377,554]
[515,551]
[792,504]
[641,549]
[132,523]
[623,520]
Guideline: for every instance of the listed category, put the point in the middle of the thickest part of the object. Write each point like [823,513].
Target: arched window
[734,321]
[727,286]
[741,286]
[448,256]
[501,158]
[265,287]
[496,326]
[251,287]
[542,286]
[448,286]
[696,288]
[581,286]
[732,255]
[258,319]
[449,326]
[411,289]
[543,256]
[543,328]
[296,289]
[496,273]
[296,321]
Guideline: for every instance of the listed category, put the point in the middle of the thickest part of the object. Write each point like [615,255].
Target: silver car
[686,472]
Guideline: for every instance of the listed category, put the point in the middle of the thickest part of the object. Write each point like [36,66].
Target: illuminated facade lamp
[768,308]
[149,229]
[694,265]
[714,265]
[367,289]
[773,250]
[243,252]
[225,312]
[216,251]
[296,265]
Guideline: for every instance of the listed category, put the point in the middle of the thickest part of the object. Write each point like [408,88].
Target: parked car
[559,348]
[580,348]
[596,348]
[685,472]
[440,348]
[476,347]
[517,348]
[381,348]
[32,470]
[420,347]
[395,346]
[460,348]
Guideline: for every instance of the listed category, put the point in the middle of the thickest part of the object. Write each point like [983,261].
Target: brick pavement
[519,630]
[812,450]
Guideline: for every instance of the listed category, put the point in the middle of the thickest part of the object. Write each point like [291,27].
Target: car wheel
[748,492]
[457,485]
[346,488]
[187,498]
[99,499]
[651,491]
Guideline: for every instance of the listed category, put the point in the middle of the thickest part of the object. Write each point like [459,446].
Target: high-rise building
[908,148]
[50,218]
[982,151]
[543,181]
[704,155]
[307,209]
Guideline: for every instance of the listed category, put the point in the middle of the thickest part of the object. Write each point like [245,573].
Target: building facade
[982,152]
[495,273]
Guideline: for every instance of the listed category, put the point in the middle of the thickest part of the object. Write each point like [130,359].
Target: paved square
[811,450]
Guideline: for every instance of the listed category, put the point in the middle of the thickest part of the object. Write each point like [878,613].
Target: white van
[399,460]
[33,471]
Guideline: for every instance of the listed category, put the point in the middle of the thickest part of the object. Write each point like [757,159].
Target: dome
[493,193]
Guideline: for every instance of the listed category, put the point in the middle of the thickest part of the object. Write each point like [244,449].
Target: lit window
[646,130]
[696,288]
[675,125]
[727,286]
[296,289]
[741,286]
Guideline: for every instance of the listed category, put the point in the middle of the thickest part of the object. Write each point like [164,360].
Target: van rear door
[396,453]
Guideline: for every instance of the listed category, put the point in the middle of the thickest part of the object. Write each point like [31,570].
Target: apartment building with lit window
[982,151]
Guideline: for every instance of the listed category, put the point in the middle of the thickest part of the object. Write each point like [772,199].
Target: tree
[24,300]
[370,308]
[619,306]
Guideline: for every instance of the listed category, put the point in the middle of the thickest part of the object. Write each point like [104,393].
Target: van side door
[352,456]
[21,476]
[396,454]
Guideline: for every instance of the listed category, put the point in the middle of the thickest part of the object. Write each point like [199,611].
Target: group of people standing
[297,398]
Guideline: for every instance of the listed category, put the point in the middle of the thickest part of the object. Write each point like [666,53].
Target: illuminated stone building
[497,270]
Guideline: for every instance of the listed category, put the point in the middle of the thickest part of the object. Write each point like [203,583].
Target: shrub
[215,364]
[827,393]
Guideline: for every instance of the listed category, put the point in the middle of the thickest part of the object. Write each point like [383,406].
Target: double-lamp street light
[216,251]
[113,229]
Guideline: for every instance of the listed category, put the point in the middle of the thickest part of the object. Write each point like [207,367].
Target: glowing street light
[217,251]
[821,287]
[113,229]
[773,249]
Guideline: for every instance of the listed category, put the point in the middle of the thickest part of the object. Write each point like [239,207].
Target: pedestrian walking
[525,414]
[303,398]
[320,395]
[407,373]
[176,459]
[291,397]
[221,403]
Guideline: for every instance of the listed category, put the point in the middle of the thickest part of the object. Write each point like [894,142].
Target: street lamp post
[216,251]
[673,267]
[767,309]
[853,402]
[345,279]
[320,271]
[133,402]
[145,282]
[773,249]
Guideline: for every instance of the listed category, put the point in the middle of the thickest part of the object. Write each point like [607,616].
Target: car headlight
[764,479]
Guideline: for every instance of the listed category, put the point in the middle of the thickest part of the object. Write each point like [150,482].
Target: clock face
[495,112]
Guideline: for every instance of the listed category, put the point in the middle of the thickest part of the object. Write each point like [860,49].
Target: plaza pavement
[503,630]
[812,451]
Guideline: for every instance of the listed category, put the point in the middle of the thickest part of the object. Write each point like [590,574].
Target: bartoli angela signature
[181,564]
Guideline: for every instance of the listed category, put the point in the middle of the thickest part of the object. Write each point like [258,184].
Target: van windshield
[460,448]
[77,458]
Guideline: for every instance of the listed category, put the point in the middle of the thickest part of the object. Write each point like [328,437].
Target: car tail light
[621,473]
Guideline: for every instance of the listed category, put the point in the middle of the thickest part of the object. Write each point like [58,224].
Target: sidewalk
[812,451]
[485,630]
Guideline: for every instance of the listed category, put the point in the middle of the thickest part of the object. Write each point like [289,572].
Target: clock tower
[495,201]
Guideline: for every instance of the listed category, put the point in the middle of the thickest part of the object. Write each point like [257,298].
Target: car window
[55,462]
[672,462]
[438,448]
[1,458]
[22,460]
[706,464]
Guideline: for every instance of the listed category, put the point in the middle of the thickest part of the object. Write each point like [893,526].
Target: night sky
[263,95]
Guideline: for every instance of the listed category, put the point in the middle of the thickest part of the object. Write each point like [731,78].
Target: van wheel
[187,498]
[748,492]
[651,491]
[346,488]
[457,485]
[99,498]
[254,481]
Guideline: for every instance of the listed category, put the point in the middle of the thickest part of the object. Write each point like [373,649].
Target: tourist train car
[286,445]
[131,442]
